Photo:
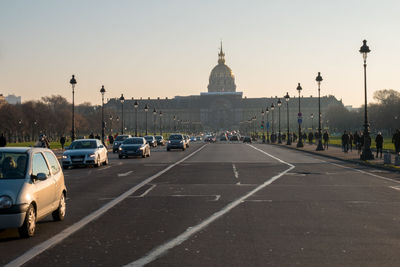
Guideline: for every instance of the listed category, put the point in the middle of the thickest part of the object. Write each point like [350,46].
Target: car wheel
[65,167]
[120,156]
[59,213]
[168,149]
[29,226]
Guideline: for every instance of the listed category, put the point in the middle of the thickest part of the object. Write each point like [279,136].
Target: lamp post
[366,153]
[174,123]
[33,130]
[312,122]
[263,125]
[73,83]
[154,120]
[20,130]
[122,99]
[289,141]
[136,105]
[300,142]
[146,108]
[267,111]
[102,91]
[111,117]
[272,122]
[161,114]
[279,121]
[319,80]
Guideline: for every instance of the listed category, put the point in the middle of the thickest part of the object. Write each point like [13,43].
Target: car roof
[23,149]
[89,139]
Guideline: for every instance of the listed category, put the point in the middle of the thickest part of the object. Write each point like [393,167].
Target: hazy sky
[168,48]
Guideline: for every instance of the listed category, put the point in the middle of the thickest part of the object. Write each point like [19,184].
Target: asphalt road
[220,205]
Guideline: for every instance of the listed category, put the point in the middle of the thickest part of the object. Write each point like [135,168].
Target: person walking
[310,138]
[325,136]
[351,140]
[62,142]
[356,140]
[111,139]
[379,143]
[3,141]
[396,141]
[345,142]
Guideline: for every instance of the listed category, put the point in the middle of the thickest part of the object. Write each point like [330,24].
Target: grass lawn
[53,145]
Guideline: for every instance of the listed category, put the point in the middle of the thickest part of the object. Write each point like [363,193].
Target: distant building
[13,99]
[350,108]
[221,108]
[2,99]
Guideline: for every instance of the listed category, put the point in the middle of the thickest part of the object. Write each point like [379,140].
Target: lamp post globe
[73,83]
[136,105]
[289,141]
[279,121]
[146,109]
[102,91]
[319,79]
[122,100]
[366,153]
[300,140]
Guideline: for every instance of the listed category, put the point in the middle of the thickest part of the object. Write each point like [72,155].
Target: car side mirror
[41,176]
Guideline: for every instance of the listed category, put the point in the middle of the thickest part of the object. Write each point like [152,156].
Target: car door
[45,189]
[57,175]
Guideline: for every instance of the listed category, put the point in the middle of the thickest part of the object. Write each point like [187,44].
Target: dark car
[118,141]
[134,146]
[160,140]
[246,139]
[151,140]
[234,138]
[223,138]
[210,139]
[176,141]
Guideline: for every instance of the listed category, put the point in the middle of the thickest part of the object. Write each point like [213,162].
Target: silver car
[85,152]
[31,187]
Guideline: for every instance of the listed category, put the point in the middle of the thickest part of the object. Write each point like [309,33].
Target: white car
[85,152]
[31,187]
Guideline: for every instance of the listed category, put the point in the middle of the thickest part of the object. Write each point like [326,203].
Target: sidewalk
[336,152]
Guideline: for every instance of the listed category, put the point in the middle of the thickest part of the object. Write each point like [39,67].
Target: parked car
[176,141]
[151,140]
[118,141]
[234,138]
[31,187]
[134,146]
[193,139]
[160,140]
[84,152]
[246,139]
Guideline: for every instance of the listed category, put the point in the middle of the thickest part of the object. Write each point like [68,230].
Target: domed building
[221,77]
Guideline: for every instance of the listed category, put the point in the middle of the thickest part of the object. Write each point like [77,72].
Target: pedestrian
[396,141]
[91,136]
[3,141]
[97,136]
[325,136]
[111,139]
[351,140]
[62,141]
[356,139]
[345,142]
[379,143]
[310,138]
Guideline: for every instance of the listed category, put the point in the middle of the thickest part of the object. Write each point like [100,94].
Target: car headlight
[115,143]
[169,142]
[92,155]
[181,142]
[64,157]
[120,148]
[5,202]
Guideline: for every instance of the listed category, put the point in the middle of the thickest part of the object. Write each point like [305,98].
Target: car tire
[120,156]
[59,213]
[65,167]
[29,226]
[168,149]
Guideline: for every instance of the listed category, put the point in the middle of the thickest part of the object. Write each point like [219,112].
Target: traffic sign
[267,125]
[299,120]
[299,114]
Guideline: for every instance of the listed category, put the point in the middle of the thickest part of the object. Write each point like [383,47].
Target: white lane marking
[236,173]
[160,250]
[148,190]
[258,200]
[104,168]
[38,249]
[216,197]
[124,174]
[295,174]
[395,187]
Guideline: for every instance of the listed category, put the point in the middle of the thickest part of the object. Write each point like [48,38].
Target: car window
[13,165]
[121,137]
[175,137]
[39,165]
[83,144]
[133,141]
[55,167]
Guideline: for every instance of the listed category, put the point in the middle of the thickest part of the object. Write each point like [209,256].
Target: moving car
[118,141]
[31,187]
[234,138]
[160,140]
[151,140]
[84,152]
[210,139]
[134,146]
[246,139]
[176,141]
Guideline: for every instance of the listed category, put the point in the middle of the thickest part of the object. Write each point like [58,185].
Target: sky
[167,48]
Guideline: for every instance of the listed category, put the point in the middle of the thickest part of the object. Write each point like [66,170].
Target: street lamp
[20,130]
[111,117]
[312,122]
[272,126]
[319,80]
[174,123]
[366,153]
[122,99]
[289,141]
[161,114]
[102,91]
[279,121]
[33,130]
[300,142]
[263,125]
[146,108]
[154,120]
[73,83]
[136,105]
[267,111]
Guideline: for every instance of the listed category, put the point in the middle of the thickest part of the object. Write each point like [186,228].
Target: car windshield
[121,138]
[131,141]
[85,144]
[158,137]
[175,137]
[13,165]
[148,138]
